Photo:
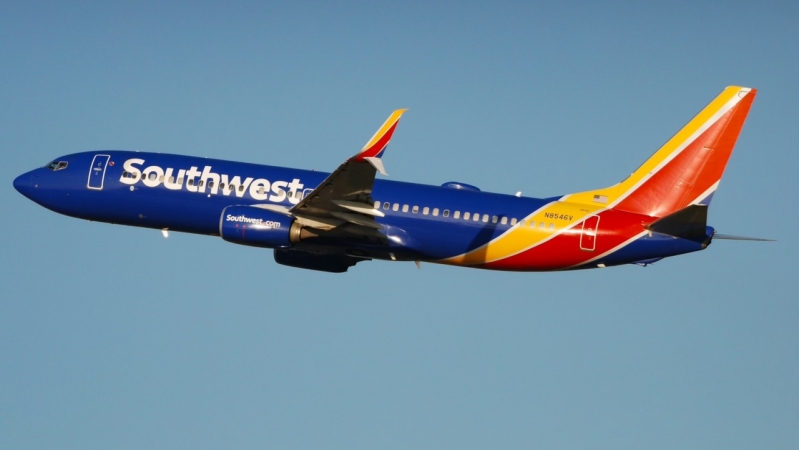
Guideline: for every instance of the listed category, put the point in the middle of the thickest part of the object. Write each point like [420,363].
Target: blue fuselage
[189,194]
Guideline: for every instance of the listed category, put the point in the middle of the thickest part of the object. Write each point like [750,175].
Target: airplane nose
[23,184]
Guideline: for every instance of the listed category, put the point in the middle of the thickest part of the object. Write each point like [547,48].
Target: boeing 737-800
[330,222]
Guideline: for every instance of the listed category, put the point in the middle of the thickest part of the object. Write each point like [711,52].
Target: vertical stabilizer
[687,169]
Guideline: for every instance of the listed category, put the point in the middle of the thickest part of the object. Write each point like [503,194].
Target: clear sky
[114,337]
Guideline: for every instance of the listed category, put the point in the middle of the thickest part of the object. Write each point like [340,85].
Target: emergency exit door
[97,171]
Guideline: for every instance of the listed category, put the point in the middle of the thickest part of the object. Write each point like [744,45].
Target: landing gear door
[97,172]
[588,235]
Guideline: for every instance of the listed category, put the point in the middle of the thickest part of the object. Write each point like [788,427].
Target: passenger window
[377,205]
[445,213]
[404,208]
[435,211]
[222,186]
[494,219]
[211,184]
[396,207]
[200,184]
[180,180]
[476,217]
[386,205]
[513,221]
[191,181]
[551,226]
[466,215]
[171,180]
[485,218]
[415,209]
[457,214]
[541,225]
[426,211]
[260,189]
[161,179]
[504,221]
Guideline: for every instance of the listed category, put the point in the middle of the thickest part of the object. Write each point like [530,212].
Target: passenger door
[588,235]
[97,172]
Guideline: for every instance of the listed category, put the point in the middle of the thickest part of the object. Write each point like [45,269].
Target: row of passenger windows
[475,217]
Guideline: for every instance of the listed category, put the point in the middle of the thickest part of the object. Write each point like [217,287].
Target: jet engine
[258,227]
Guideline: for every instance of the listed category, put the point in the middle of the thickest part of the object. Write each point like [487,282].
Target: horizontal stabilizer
[730,237]
[689,223]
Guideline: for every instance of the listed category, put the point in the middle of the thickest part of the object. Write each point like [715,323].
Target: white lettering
[245,219]
[207,176]
[135,172]
[242,187]
[169,180]
[227,187]
[278,193]
[196,181]
[293,187]
[259,189]
[152,176]
[190,176]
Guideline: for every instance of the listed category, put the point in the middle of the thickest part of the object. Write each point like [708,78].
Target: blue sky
[113,337]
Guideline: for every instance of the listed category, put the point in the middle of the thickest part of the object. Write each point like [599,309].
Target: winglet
[372,152]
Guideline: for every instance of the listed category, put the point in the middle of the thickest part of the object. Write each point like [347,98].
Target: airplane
[330,222]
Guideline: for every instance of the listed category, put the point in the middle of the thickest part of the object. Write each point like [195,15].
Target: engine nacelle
[325,262]
[258,227]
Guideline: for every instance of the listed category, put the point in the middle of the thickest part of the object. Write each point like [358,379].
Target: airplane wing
[345,197]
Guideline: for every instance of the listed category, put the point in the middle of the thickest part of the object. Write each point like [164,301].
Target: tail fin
[687,169]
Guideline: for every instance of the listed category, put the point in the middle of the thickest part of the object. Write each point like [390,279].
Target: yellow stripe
[522,237]
[581,205]
[617,191]
[392,119]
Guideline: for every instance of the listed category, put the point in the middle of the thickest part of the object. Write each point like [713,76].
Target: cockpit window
[57,165]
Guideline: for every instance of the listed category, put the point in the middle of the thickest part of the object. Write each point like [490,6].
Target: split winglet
[373,151]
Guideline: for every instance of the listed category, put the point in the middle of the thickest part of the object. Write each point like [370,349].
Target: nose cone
[23,184]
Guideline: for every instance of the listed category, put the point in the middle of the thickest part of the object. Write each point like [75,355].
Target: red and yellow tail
[688,168]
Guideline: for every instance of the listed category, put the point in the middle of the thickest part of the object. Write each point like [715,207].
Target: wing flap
[345,195]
